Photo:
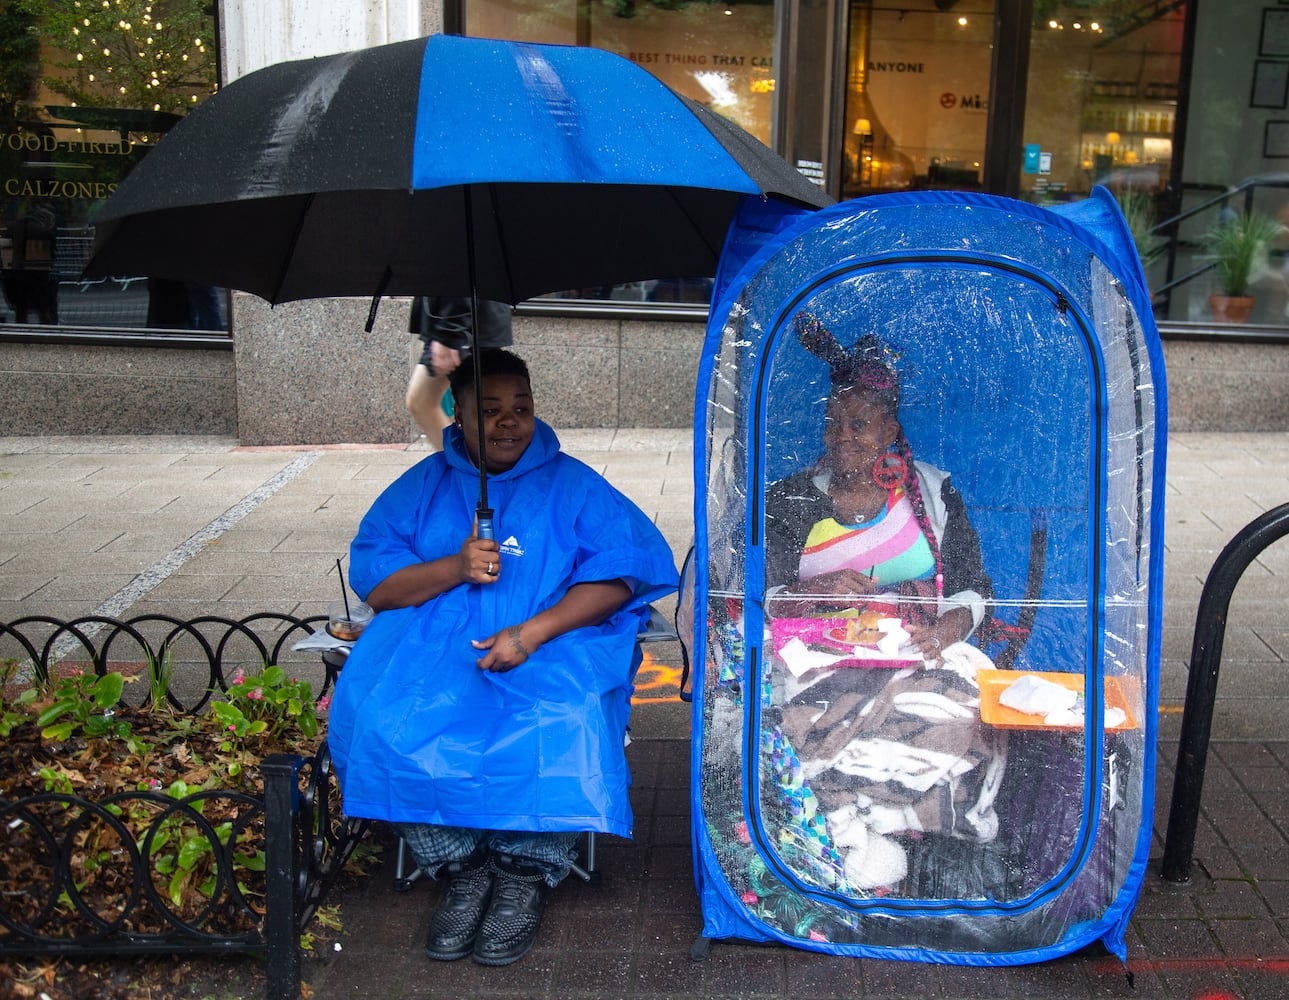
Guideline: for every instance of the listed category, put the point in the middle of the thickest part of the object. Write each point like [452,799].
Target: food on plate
[864,630]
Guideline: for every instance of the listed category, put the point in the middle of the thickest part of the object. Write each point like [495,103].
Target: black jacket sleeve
[447,320]
[792,506]
[964,568]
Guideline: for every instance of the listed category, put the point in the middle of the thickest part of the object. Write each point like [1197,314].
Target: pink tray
[814,632]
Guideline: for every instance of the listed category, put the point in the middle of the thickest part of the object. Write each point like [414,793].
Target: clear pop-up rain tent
[927,580]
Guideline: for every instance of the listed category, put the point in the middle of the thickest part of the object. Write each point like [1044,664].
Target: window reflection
[89,90]
[1115,79]
[720,54]
[917,96]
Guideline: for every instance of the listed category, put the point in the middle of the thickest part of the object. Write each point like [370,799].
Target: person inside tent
[868,544]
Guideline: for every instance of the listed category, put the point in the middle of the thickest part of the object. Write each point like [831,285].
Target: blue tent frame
[1038,380]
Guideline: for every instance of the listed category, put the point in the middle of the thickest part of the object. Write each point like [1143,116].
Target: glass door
[1115,79]
[916,95]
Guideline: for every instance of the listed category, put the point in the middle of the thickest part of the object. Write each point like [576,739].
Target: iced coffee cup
[347,621]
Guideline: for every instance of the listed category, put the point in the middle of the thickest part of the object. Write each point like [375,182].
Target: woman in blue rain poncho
[484,710]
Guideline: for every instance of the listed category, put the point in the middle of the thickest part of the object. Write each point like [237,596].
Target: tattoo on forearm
[516,642]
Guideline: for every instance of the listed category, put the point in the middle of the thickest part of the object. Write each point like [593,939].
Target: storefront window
[917,96]
[716,53]
[85,90]
[719,54]
[1102,100]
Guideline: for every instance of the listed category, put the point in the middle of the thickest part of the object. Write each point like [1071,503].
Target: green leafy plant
[160,674]
[270,703]
[100,752]
[57,780]
[1239,246]
[86,704]
[1138,209]
[19,62]
[13,713]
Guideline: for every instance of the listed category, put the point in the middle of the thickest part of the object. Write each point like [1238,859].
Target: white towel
[321,640]
[1035,695]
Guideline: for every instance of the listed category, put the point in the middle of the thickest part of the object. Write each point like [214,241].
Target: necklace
[859,503]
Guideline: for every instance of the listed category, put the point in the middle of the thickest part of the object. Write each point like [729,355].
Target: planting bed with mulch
[130,825]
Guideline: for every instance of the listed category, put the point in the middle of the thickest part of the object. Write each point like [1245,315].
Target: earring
[890,471]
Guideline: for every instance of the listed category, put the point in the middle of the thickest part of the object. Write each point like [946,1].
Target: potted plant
[1138,209]
[1238,246]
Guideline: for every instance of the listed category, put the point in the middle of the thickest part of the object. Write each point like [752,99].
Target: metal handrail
[1168,229]
[1201,686]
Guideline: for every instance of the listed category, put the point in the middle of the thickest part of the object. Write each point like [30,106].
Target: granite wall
[1222,386]
[307,373]
[82,389]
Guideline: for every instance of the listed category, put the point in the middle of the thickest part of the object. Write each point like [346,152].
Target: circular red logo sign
[948,100]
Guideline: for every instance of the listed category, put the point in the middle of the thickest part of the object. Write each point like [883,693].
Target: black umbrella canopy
[446,165]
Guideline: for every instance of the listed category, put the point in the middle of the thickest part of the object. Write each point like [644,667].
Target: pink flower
[750,898]
[232,728]
[239,677]
[256,695]
[324,703]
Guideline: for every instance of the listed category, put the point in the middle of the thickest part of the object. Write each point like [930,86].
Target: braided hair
[869,366]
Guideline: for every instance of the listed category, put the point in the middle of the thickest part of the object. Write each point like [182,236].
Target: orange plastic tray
[1123,693]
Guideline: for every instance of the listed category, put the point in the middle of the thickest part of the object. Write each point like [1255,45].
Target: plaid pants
[434,846]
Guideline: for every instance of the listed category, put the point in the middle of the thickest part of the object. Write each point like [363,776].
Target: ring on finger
[489,569]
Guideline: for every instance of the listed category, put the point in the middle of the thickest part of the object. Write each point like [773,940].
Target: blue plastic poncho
[418,732]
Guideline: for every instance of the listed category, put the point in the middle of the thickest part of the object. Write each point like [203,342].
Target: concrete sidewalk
[189,526]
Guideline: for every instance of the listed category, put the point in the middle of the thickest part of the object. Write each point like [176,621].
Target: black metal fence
[65,845]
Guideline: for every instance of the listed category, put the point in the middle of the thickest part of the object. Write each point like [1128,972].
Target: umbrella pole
[483,513]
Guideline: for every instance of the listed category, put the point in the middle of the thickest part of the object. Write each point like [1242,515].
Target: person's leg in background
[427,387]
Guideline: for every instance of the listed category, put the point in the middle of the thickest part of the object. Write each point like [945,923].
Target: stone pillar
[306,372]
[258,33]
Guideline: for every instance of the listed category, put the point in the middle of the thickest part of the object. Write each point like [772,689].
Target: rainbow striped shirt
[891,546]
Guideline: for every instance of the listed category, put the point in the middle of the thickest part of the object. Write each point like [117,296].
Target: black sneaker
[456,921]
[509,927]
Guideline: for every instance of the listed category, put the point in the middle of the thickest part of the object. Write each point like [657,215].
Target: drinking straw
[343,592]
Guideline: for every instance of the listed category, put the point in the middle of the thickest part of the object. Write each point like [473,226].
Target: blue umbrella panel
[927,580]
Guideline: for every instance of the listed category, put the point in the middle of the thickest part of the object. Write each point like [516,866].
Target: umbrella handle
[484,529]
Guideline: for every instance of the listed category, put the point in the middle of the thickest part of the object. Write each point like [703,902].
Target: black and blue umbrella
[444,165]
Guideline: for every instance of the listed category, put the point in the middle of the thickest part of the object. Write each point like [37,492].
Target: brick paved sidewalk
[198,526]
[629,934]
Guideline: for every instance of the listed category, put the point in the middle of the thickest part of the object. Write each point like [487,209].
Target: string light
[1054,24]
[137,63]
